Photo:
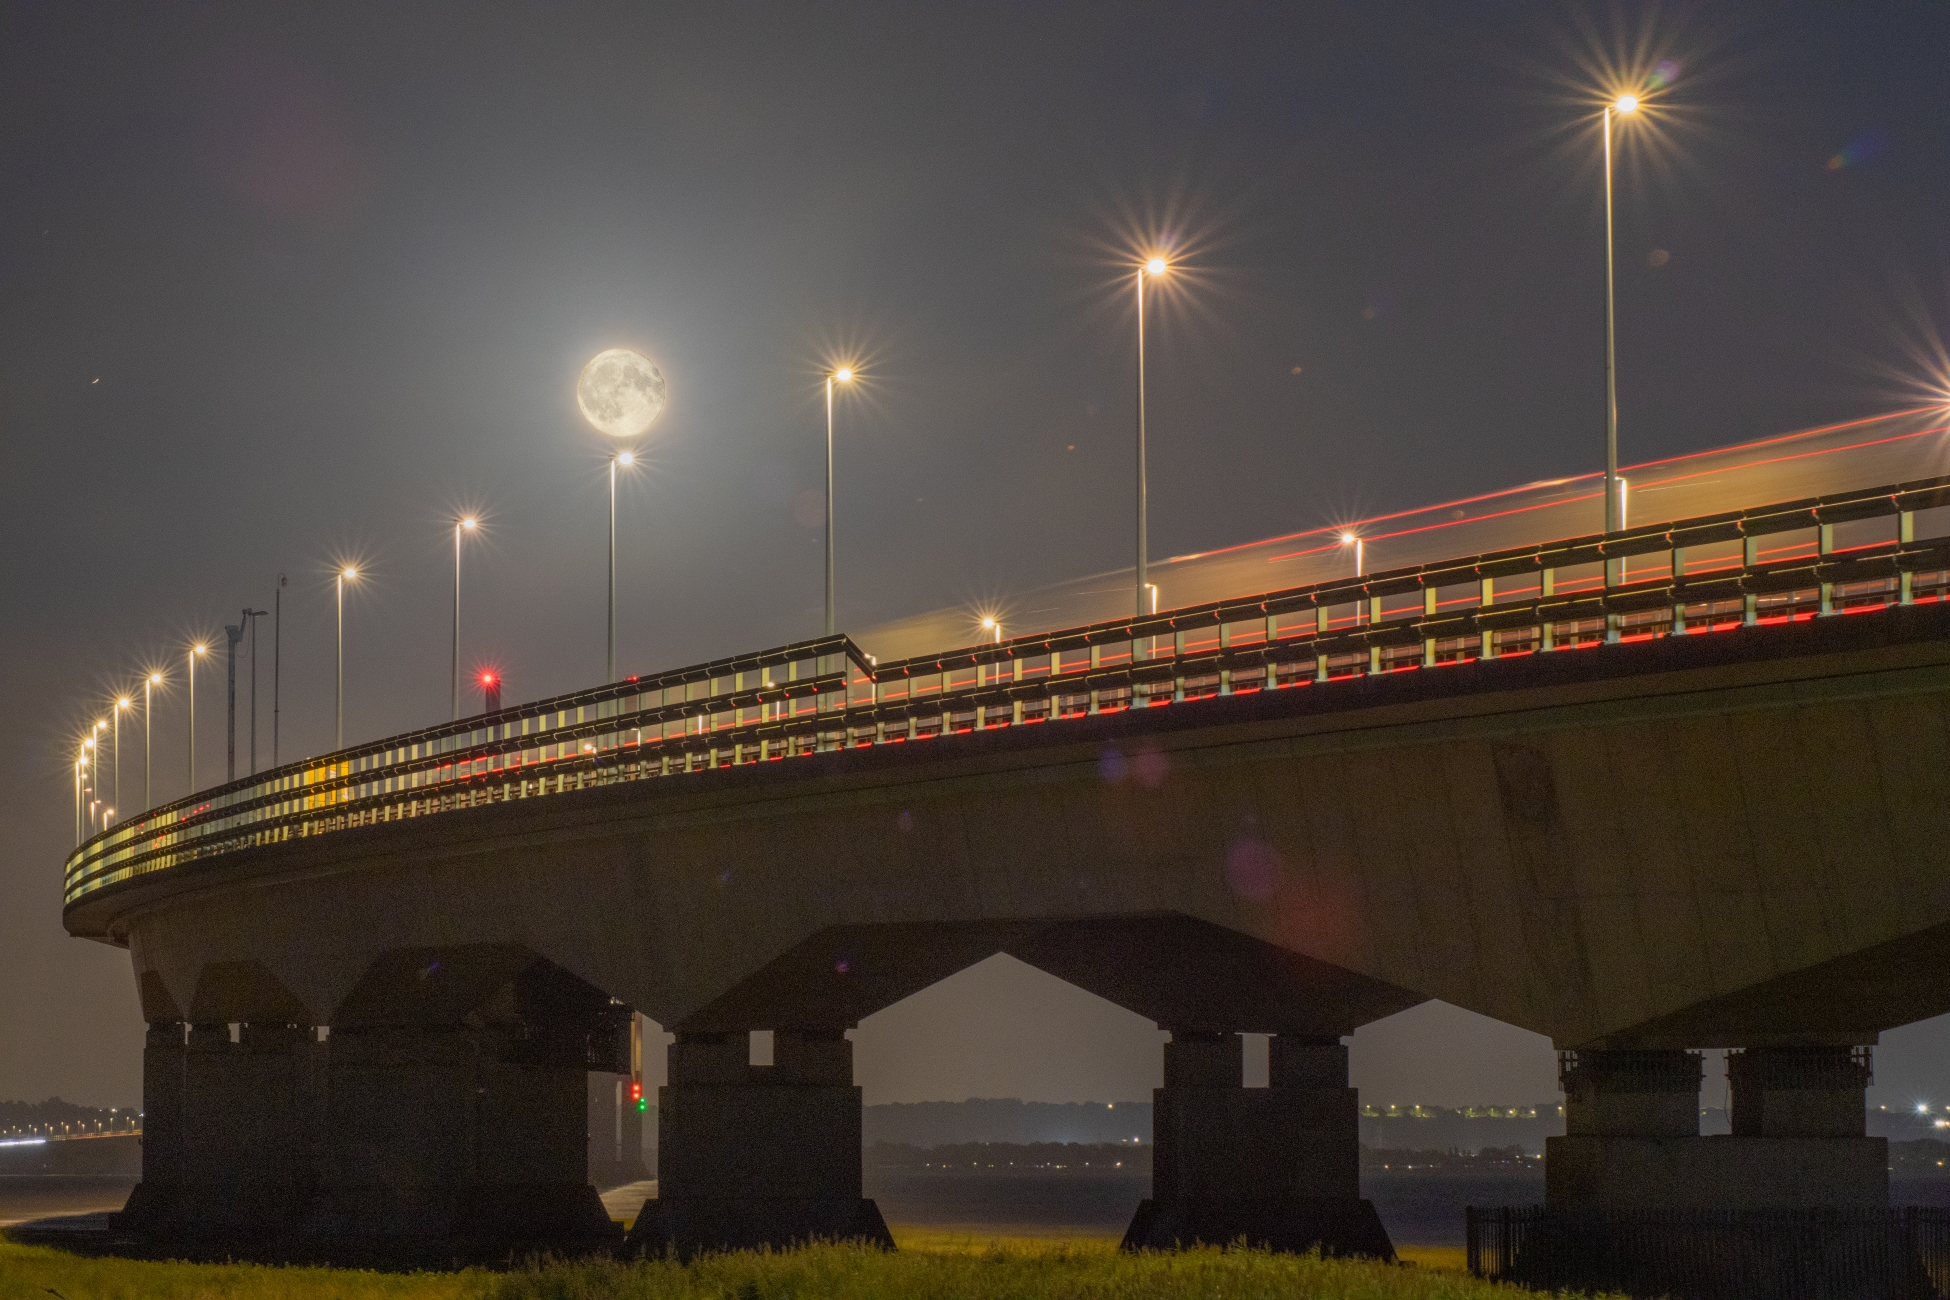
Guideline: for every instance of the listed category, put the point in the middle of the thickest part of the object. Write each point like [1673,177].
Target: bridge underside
[440,1115]
[1739,840]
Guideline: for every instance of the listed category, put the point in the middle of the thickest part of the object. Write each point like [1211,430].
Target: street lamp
[469,524]
[198,649]
[1624,105]
[345,575]
[995,625]
[95,791]
[80,776]
[844,375]
[149,683]
[122,702]
[1360,546]
[621,393]
[625,459]
[1153,268]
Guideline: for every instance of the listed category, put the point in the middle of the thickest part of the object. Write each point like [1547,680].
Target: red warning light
[490,692]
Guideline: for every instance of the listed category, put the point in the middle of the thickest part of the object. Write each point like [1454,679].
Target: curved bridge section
[1674,788]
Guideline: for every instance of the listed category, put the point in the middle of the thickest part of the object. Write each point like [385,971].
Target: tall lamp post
[625,459]
[196,650]
[1623,105]
[149,684]
[621,393]
[80,761]
[345,575]
[468,525]
[844,375]
[122,702]
[1153,268]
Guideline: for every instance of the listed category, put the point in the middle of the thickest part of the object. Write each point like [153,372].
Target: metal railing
[1824,1253]
[1779,563]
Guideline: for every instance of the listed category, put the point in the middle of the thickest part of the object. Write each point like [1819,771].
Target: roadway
[1834,458]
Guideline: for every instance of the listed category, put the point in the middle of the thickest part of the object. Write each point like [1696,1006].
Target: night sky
[283,287]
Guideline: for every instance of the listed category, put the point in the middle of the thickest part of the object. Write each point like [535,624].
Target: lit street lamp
[80,767]
[625,459]
[621,393]
[469,524]
[1360,560]
[995,625]
[345,575]
[195,650]
[1624,104]
[843,375]
[122,702]
[149,683]
[1154,268]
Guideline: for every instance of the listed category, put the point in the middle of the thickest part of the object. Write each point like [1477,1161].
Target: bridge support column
[450,1143]
[228,1158]
[1632,1142]
[1279,1166]
[758,1155]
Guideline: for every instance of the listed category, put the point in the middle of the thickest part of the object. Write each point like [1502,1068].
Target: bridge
[1678,786]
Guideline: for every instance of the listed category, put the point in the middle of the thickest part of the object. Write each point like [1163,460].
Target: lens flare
[1869,145]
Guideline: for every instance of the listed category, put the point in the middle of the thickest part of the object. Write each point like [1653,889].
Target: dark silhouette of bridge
[1679,786]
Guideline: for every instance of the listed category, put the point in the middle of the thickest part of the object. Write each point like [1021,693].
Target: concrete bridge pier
[456,1119]
[1278,1166]
[229,1142]
[1632,1140]
[758,1155]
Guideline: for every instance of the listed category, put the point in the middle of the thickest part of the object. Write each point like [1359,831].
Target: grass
[935,1265]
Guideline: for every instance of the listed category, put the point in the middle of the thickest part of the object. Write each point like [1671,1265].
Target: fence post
[1546,630]
[1428,642]
[1749,558]
[1823,548]
[1679,592]
[1905,580]
[1486,636]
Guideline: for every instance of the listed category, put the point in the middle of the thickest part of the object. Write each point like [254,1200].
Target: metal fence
[1828,1253]
[1782,563]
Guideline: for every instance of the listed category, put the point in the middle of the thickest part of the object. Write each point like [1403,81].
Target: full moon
[621,392]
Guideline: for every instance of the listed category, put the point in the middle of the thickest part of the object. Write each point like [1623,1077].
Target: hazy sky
[282,285]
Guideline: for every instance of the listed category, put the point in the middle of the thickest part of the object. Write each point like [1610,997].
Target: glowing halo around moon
[621,392]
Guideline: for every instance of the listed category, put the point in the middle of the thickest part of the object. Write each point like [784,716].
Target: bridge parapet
[1783,562]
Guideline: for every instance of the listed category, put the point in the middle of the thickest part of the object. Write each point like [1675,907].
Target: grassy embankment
[939,1266]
